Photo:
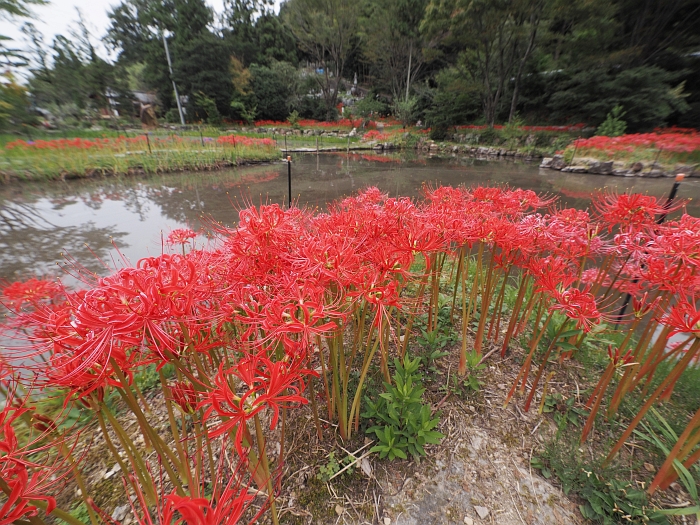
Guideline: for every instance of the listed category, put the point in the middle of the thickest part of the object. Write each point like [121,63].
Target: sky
[59,15]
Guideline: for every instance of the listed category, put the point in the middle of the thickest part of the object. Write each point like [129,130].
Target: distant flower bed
[674,140]
[376,135]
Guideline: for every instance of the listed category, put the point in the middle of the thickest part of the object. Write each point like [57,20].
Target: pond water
[42,223]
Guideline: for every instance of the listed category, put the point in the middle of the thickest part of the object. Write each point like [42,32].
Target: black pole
[289,180]
[660,220]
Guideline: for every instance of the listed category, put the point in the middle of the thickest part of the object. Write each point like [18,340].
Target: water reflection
[39,221]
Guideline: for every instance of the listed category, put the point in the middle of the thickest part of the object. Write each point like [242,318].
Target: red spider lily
[180,236]
[683,317]
[631,211]
[578,305]
[641,306]
[23,490]
[185,396]
[32,291]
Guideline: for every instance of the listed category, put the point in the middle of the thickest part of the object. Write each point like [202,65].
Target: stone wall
[617,168]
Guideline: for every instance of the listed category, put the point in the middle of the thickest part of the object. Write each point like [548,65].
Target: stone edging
[617,168]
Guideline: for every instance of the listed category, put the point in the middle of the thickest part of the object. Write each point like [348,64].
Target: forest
[440,63]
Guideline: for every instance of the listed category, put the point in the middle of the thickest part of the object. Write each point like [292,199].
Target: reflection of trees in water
[31,245]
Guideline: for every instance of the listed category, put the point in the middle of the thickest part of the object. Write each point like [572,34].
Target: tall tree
[391,40]
[327,31]
[11,10]
[496,37]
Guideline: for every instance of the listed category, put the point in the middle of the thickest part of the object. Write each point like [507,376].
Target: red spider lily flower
[180,236]
[683,317]
[641,306]
[618,360]
[631,211]
[185,396]
[234,410]
[32,291]
[578,305]
[23,490]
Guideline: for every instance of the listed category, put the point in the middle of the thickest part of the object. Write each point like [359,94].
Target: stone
[120,512]
[546,162]
[558,162]
[637,167]
[366,467]
[575,169]
[601,168]
[339,510]
[387,521]
[481,511]
[468,521]
[353,133]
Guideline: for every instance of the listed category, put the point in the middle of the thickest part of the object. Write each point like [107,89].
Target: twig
[350,464]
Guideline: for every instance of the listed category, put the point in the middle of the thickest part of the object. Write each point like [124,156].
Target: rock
[621,173]
[653,174]
[558,162]
[387,521]
[339,510]
[353,133]
[601,168]
[120,512]
[468,521]
[637,167]
[575,169]
[116,468]
[481,511]
[546,163]
[366,467]
[649,467]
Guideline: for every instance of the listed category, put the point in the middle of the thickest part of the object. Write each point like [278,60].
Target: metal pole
[289,179]
[170,68]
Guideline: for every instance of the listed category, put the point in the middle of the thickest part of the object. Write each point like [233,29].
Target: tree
[327,31]
[391,40]
[496,37]
[9,10]
[274,90]
[14,105]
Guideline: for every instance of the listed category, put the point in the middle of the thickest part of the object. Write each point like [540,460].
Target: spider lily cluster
[289,305]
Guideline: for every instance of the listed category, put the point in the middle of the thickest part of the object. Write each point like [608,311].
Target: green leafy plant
[474,366]
[606,498]
[404,424]
[613,125]
[293,118]
[330,469]
[657,431]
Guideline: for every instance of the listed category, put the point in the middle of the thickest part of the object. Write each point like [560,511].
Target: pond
[42,224]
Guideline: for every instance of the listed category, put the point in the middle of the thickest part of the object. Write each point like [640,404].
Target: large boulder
[601,168]
[558,162]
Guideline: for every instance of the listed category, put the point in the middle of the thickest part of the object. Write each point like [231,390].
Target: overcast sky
[57,17]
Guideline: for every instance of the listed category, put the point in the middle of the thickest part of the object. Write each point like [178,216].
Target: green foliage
[293,118]
[607,498]
[404,424]
[370,106]
[405,111]
[147,377]
[207,107]
[14,105]
[647,93]
[274,90]
[330,469]
[613,126]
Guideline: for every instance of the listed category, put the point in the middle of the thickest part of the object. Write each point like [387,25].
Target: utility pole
[170,68]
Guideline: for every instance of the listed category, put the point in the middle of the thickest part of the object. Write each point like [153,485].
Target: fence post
[289,180]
